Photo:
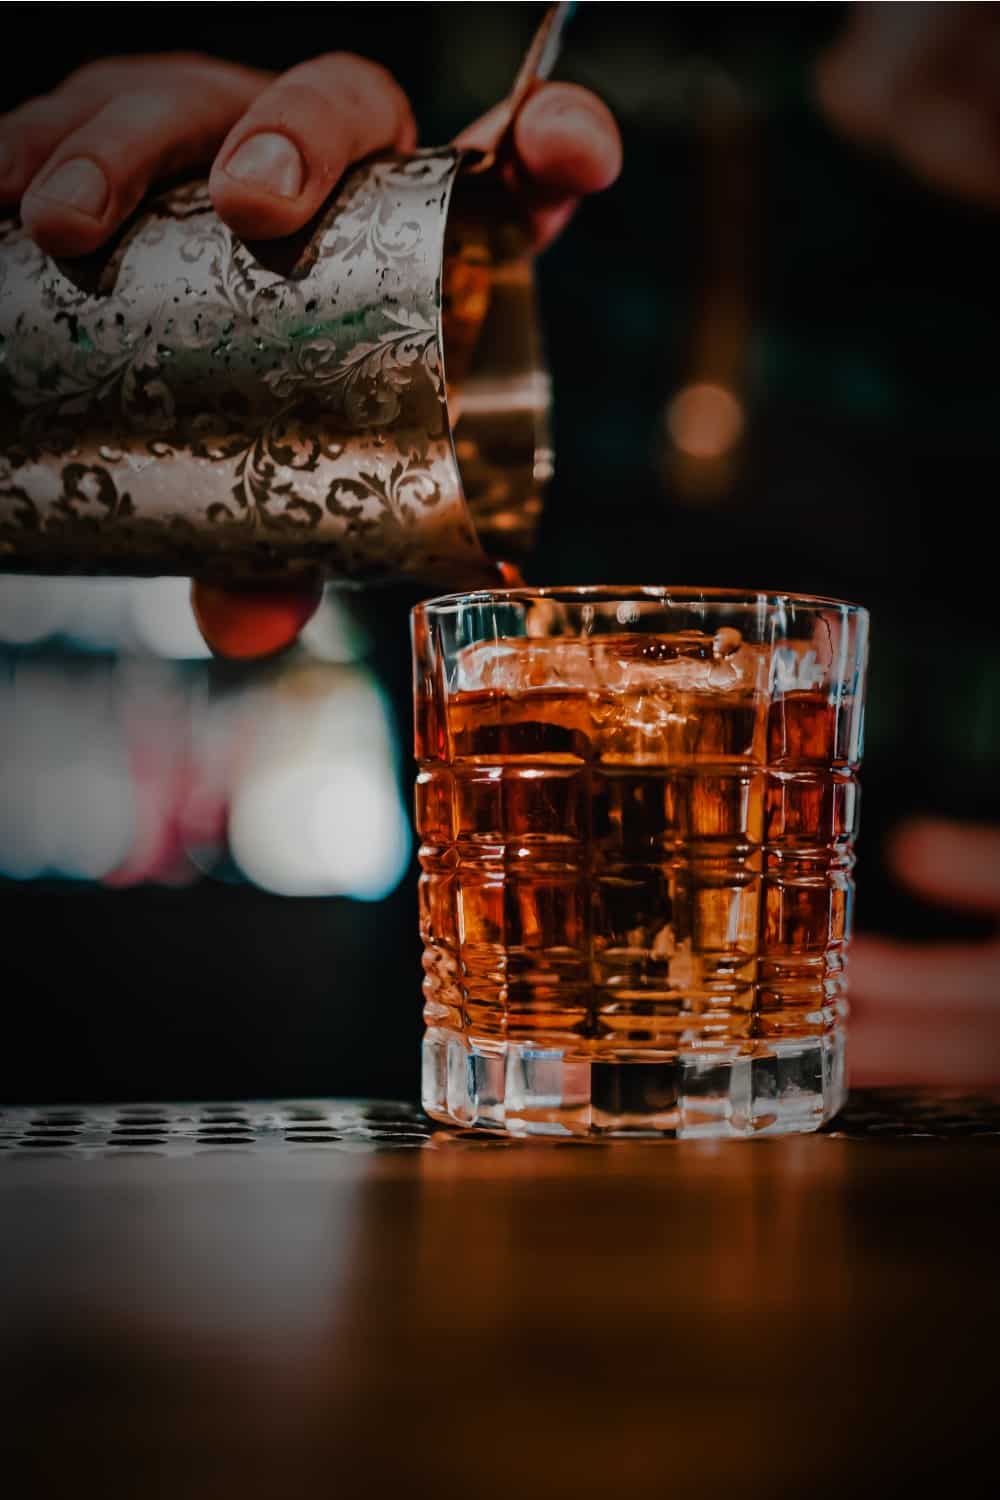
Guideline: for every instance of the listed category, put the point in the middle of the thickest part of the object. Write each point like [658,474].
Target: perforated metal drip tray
[360,1125]
[185,1129]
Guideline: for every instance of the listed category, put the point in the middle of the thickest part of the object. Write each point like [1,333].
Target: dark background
[864,347]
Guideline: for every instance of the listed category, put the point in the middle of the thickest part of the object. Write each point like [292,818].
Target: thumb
[956,864]
[566,145]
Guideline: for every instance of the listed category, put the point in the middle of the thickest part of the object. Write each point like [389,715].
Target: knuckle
[107,75]
[195,70]
[121,135]
[363,67]
[145,129]
[143,110]
[359,81]
[38,117]
[187,59]
[96,74]
[112,69]
[298,106]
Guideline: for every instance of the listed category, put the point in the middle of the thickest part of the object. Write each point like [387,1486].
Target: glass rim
[682,594]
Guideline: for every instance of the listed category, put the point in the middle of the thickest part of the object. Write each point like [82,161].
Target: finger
[246,624]
[903,978]
[943,1052]
[953,141]
[921,80]
[99,172]
[863,77]
[566,144]
[954,863]
[567,141]
[30,134]
[285,155]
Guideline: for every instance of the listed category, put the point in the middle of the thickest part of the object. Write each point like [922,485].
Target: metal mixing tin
[186,402]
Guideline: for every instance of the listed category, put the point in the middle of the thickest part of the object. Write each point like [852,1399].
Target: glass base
[780,1088]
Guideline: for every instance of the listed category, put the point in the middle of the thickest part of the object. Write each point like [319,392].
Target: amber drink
[636,810]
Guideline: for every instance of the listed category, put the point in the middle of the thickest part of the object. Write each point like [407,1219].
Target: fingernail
[583,122]
[79,184]
[270,162]
[587,131]
[570,110]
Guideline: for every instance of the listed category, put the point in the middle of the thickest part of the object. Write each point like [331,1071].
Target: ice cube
[636,665]
[678,695]
[527,663]
[795,665]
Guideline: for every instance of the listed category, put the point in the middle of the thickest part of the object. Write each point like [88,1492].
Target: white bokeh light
[271,828]
[321,828]
[130,769]
[362,831]
[97,612]
[31,609]
[163,621]
[89,820]
[318,811]
[109,615]
[66,803]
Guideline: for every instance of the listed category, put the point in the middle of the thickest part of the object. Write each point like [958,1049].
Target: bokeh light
[705,420]
[318,810]
[162,620]
[127,758]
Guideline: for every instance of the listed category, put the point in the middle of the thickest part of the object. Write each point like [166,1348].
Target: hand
[923,82]
[78,161]
[930,1012]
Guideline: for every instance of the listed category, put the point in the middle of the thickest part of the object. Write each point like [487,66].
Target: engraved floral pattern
[90,494]
[191,391]
[368,221]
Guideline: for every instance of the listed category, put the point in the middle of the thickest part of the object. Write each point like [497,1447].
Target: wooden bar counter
[322,1298]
